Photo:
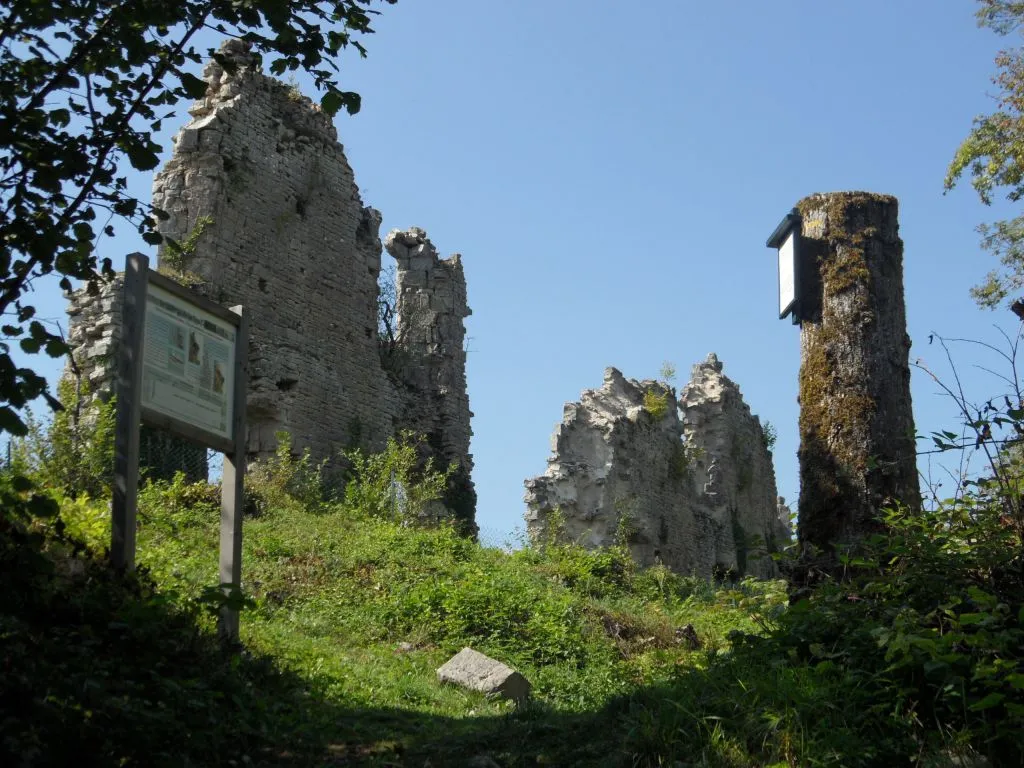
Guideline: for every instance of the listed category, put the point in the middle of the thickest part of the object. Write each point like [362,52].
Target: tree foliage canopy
[993,156]
[85,86]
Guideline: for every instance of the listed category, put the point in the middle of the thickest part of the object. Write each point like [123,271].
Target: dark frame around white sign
[787,236]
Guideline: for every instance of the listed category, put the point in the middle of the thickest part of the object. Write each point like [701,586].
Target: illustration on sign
[188,360]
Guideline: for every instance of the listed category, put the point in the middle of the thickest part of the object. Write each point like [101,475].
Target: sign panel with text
[188,363]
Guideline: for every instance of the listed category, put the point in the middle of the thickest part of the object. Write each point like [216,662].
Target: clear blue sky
[610,173]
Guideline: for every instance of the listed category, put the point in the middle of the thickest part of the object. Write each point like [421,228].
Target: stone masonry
[261,209]
[687,482]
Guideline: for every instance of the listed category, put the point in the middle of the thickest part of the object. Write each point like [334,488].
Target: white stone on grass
[477,672]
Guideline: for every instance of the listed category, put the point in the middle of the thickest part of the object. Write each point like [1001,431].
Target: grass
[351,614]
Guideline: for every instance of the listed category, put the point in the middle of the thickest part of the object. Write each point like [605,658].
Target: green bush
[595,573]
[505,611]
[918,649]
[74,453]
[285,481]
[395,484]
[656,403]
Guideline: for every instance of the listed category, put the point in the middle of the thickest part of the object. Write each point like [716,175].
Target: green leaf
[331,103]
[83,232]
[981,597]
[60,117]
[992,700]
[141,158]
[43,506]
[21,484]
[966,619]
[55,405]
[194,86]
[56,347]
[333,100]
[11,422]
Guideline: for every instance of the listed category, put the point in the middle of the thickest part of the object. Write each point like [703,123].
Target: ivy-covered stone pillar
[857,450]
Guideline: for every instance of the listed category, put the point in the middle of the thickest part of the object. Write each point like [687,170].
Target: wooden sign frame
[131,415]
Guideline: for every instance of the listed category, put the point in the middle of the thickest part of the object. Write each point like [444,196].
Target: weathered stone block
[477,672]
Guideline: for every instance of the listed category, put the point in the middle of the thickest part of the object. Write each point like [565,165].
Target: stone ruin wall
[690,484]
[264,207]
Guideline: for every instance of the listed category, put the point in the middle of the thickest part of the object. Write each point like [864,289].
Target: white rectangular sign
[188,363]
[787,274]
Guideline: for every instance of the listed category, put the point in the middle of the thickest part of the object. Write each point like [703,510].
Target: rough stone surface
[686,482]
[428,357]
[733,468]
[477,672]
[856,424]
[93,335]
[264,207]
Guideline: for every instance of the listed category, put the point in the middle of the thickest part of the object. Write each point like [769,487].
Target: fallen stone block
[477,672]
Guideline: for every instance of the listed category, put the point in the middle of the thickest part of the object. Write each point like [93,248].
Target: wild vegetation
[913,654]
[913,657]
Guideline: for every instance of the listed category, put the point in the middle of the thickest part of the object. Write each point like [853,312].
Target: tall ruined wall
[429,357]
[260,208]
[688,483]
[619,471]
[260,190]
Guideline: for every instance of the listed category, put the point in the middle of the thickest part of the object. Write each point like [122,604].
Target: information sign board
[188,363]
[786,238]
[182,367]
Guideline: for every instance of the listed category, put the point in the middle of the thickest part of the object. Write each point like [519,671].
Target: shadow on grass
[98,669]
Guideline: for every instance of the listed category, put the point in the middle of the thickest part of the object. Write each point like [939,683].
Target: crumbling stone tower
[260,208]
[429,355]
[857,448]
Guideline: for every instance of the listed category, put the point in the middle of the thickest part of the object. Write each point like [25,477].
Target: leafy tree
[85,86]
[993,155]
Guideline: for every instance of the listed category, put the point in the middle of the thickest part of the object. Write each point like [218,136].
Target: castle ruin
[684,481]
[259,207]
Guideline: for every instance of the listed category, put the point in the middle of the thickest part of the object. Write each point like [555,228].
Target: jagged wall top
[688,483]
[303,116]
[266,213]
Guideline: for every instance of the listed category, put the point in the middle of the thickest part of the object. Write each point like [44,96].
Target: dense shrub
[395,484]
[72,454]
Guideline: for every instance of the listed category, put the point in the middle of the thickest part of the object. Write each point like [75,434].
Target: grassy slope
[351,616]
[336,595]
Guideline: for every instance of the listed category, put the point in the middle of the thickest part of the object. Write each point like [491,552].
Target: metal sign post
[183,367]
